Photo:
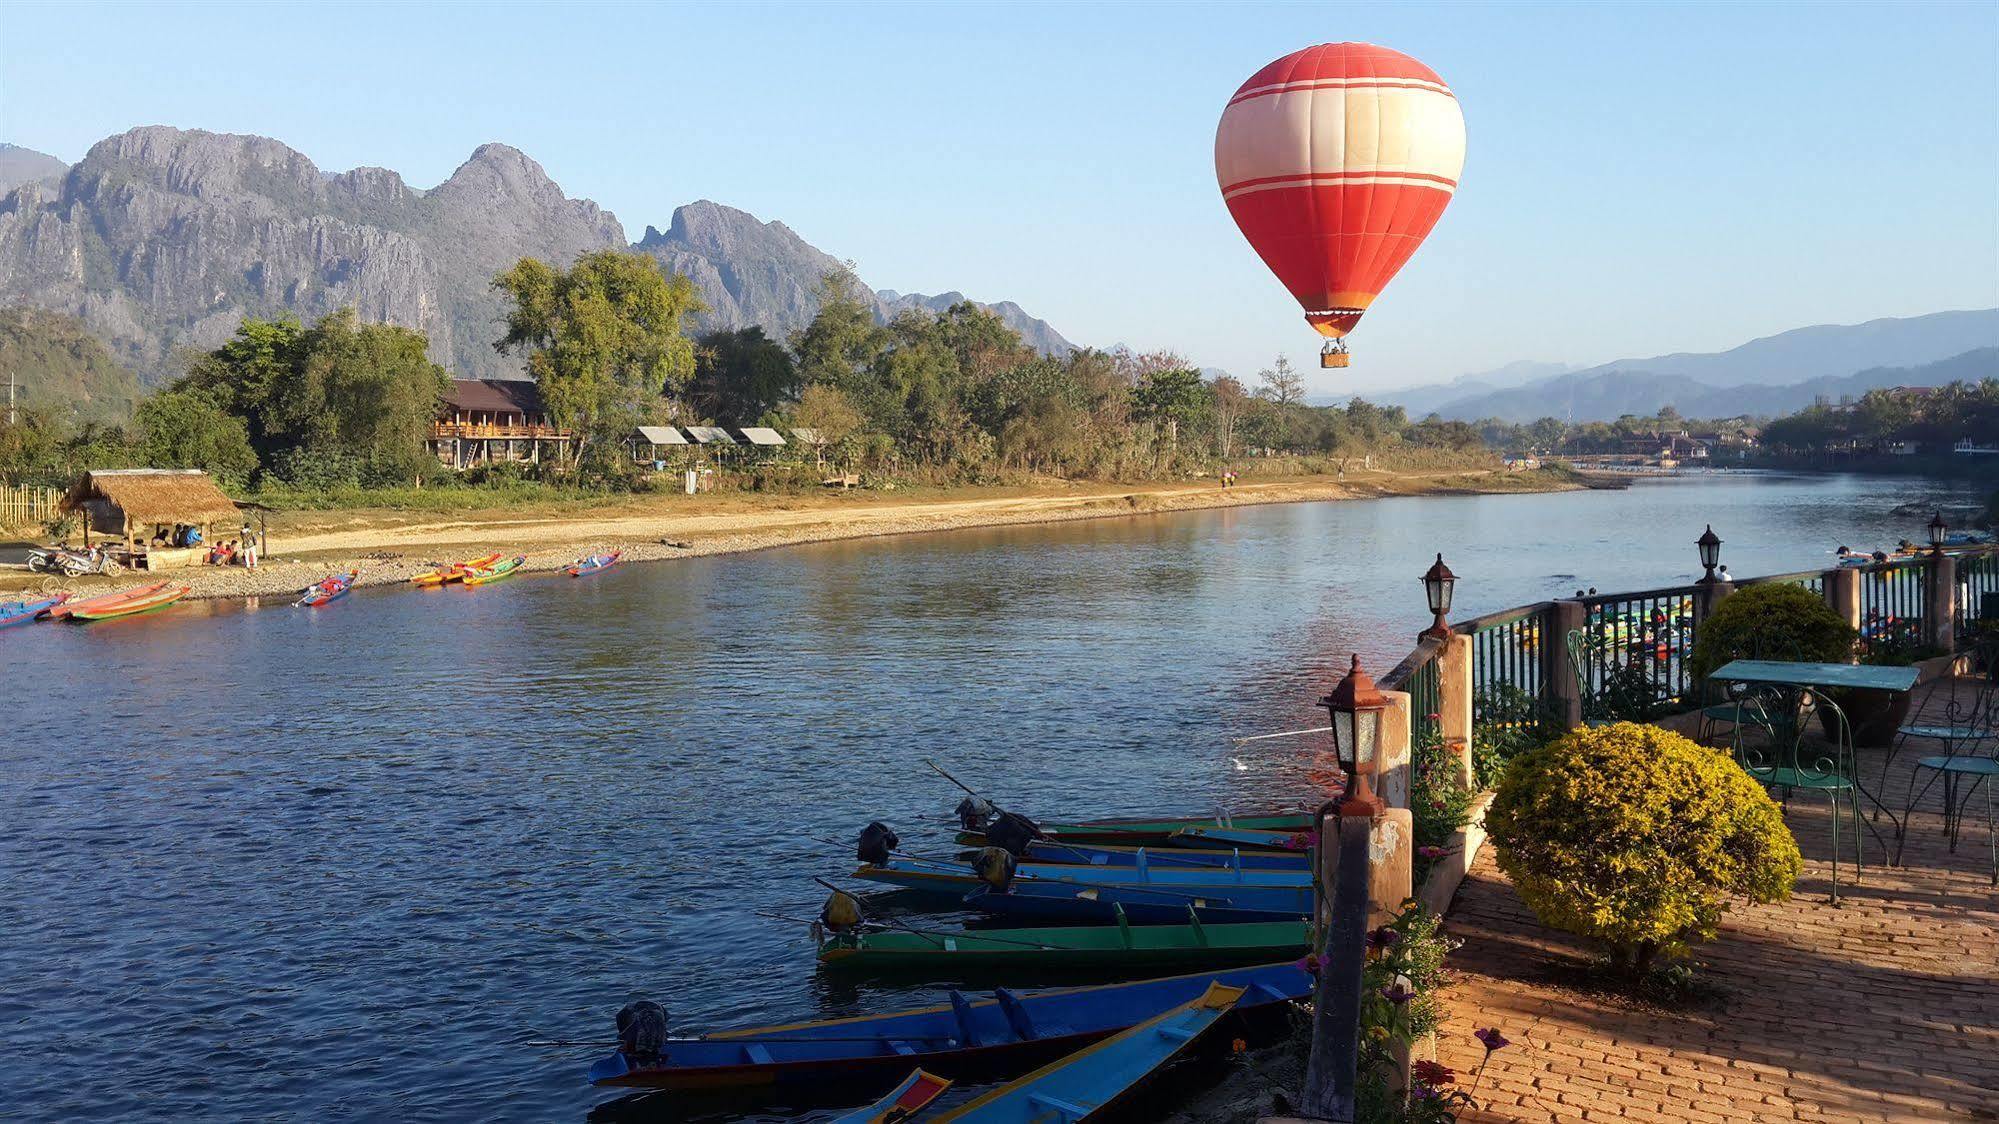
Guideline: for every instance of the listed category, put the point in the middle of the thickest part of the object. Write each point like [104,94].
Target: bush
[1439,803]
[1636,837]
[1773,621]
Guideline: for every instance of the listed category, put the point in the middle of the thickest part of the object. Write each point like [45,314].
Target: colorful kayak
[107,600]
[1149,833]
[1124,947]
[1029,902]
[965,1038]
[593,564]
[494,573]
[951,878]
[1080,854]
[456,571]
[21,612]
[902,1102]
[1079,1087]
[328,591]
[117,607]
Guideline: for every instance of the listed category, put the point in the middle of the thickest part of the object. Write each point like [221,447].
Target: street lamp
[1939,531]
[1438,585]
[1355,707]
[1710,548]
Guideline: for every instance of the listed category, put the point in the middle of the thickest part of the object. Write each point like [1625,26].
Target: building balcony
[445,431]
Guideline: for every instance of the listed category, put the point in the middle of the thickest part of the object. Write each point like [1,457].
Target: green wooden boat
[1243,839]
[1151,833]
[1138,950]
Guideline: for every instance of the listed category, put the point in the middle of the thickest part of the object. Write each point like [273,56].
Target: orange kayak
[108,600]
[105,609]
[454,572]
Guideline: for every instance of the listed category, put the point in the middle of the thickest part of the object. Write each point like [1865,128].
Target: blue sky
[1638,180]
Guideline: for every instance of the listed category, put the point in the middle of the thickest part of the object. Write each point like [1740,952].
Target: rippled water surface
[267,863]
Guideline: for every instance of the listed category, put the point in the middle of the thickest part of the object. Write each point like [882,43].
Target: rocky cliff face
[162,238]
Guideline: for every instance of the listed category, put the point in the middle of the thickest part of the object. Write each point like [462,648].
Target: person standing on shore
[249,548]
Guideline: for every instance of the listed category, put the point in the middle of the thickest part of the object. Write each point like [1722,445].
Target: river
[270,863]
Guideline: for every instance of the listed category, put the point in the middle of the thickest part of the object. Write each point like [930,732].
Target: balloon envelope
[1336,162]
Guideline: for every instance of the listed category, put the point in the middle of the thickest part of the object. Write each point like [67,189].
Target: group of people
[236,552]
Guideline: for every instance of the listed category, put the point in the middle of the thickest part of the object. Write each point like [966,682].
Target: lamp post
[1939,531]
[1438,586]
[1710,548]
[1355,707]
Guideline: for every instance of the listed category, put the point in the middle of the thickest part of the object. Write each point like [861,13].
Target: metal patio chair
[1788,763]
[1969,735]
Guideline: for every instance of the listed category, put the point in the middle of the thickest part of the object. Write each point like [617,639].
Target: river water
[269,863]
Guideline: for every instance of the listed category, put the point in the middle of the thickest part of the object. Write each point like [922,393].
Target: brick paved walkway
[1884,1009]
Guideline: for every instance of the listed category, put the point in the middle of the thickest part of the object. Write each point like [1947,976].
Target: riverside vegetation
[336,413]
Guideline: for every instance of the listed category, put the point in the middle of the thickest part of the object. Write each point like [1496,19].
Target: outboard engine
[975,812]
[994,867]
[842,913]
[642,1031]
[1012,831]
[878,841]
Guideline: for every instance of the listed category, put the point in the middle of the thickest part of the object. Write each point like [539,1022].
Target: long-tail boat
[1029,902]
[1150,833]
[119,606]
[902,1102]
[107,600]
[1000,1037]
[454,571]
[1243,839]
[1124,947]
[1080,1087]
[1081,854]
[593,564]
[21,612]
[950,878]
[328,591]
[494,572]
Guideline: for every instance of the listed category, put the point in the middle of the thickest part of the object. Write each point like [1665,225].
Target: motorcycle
[70,563]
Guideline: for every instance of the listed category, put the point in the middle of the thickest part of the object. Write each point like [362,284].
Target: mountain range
[163,238]
[1771,375]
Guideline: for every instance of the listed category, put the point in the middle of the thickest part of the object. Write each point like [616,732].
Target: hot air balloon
[1335,162]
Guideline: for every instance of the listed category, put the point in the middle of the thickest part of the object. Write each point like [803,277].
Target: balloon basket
[1334,359]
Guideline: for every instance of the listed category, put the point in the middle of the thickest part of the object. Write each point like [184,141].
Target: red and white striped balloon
[1336,162]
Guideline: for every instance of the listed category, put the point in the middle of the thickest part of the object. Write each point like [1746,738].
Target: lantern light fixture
[1356,707]
[1439,586]
[1710,547]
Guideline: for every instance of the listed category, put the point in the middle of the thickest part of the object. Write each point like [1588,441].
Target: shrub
[1636,837]
[1439,803]
[1773,621]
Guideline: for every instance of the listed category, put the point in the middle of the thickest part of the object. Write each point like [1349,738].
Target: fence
[24,505]
[1552,664]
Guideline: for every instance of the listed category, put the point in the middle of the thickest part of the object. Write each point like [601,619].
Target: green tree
[245,374]
[1169,398]
[186,429]
[740,375]
[602,339]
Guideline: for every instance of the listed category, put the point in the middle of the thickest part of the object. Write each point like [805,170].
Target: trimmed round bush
[1772,621]
[1637,838]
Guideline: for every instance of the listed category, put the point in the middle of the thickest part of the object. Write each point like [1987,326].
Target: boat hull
[134,608]
[1129,950]
[1082,854]
[967,1039]
[1149,833]
[500,572]
[1034,905]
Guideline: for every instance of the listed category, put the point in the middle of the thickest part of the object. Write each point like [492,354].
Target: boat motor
[878,842]
[841,914]
[975,812]
[994,866]
[1012,831]
[642,1031]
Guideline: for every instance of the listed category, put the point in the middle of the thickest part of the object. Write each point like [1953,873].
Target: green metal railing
[1417,674]
[1894,603]
[1633,653]
[1977,584]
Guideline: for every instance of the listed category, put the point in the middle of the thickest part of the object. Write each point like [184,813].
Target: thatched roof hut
[124,501]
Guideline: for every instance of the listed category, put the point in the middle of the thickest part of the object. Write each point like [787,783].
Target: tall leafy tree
[185,429]
[739,375]
[602,338]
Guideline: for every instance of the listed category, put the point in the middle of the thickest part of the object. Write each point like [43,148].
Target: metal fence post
[1942,606]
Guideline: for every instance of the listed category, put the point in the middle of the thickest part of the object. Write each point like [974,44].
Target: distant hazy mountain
[24,165]
[1793,367]
[1604,397]
[1420,401]
[162,238]
[59,366]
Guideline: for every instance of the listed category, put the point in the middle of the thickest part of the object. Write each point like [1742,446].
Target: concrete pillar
[1842,592]
[1559,687]
[1391,756]
[1942,603]
[1454,687]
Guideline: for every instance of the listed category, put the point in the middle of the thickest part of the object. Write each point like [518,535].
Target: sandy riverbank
[391,547]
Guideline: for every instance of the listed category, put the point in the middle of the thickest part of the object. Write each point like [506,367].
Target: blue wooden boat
[21,612]
[328,591]
[1081,1086]
[999,1037]
[593,564]
[936,877]
[1087,854]
[902,1102]
[1063,903]
[1242,839]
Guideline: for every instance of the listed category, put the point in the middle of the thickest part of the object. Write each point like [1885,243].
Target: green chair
[1970,736]
[1787,764]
